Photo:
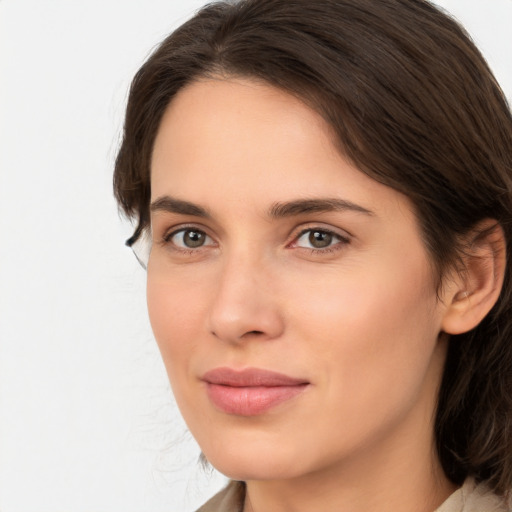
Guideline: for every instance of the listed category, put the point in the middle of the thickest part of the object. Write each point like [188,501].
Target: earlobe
[474,291]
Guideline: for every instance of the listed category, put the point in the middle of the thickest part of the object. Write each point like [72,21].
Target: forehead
[255,121]
[244,142]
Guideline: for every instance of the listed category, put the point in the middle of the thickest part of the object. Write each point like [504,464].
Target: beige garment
[230,499]
[472,497]
[469,498]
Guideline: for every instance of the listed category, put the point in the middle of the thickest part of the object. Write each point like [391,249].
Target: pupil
[193,238]
[320,239]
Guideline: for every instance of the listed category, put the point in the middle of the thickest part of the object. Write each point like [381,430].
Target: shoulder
[230,499]
[473,497]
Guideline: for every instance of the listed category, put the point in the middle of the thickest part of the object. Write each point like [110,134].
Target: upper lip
[250,377]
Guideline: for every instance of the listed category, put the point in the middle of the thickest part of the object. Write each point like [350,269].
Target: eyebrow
[305,206]
[277,210]
[172,205]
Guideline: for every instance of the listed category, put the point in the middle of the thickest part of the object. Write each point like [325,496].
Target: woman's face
[291,295]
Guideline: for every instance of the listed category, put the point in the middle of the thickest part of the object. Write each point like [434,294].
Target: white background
[87,422]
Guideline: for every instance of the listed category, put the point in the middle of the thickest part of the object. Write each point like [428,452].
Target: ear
[472,292]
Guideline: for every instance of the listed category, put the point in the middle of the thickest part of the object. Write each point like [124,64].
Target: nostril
[248,333]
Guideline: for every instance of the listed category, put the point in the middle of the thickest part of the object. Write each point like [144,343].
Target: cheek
[364,302]
[176,314]
[370,330]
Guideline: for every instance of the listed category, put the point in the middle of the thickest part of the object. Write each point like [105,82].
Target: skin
[358,318]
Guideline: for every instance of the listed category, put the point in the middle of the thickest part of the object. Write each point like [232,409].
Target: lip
[251,391]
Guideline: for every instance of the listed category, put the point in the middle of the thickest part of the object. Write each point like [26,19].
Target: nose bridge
[244,305]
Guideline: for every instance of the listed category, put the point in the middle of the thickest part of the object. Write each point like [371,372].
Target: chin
[245,470]
[254,462]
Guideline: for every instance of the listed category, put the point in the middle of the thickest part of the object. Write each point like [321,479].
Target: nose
[246,305]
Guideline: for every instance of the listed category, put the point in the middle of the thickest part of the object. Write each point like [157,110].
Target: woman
[323,190]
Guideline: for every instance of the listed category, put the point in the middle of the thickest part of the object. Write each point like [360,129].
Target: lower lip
[251,401]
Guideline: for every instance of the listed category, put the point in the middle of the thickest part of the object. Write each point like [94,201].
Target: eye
[189,238]
[319,239]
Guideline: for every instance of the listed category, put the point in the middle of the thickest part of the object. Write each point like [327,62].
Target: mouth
[252,391]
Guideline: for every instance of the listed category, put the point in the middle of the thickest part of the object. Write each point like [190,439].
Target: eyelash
[342,240]
[169,235]
[339,245]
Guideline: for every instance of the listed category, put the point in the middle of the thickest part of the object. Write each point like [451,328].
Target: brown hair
[414,105]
